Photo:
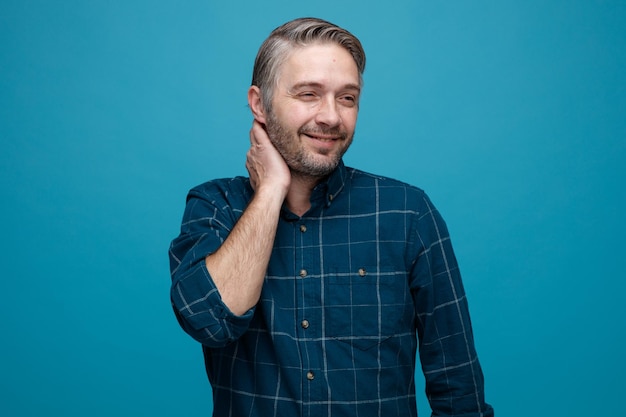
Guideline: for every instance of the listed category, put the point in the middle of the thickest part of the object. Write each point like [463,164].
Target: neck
[298,198]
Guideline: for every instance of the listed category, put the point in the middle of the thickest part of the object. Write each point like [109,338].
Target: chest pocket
[367,306]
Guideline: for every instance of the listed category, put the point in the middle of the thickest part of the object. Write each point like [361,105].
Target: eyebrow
[314,84]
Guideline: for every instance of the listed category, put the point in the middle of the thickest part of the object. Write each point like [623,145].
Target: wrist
[270,194]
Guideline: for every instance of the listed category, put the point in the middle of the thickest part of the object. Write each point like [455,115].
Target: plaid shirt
[353,289]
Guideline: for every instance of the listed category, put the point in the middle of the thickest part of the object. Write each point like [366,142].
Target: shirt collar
[326,191]
[335,182]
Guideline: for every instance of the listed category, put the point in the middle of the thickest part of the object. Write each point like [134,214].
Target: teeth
[321,139]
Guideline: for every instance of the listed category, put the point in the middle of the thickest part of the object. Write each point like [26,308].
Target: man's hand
[265,165]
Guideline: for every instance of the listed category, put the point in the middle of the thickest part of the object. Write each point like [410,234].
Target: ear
[256,104]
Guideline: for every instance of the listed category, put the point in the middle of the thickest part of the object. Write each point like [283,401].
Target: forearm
[238,267]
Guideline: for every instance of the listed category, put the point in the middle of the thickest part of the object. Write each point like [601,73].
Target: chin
[316,168]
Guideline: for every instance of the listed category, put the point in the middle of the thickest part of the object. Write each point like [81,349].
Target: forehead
[322,63]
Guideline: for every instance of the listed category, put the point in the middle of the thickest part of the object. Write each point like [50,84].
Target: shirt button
[303,273]
[362,272]
[305,324]
[310,376]
[302,228]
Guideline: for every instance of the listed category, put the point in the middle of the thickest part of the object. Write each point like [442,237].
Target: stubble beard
[302,162]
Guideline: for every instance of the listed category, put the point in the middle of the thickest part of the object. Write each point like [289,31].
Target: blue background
[510,114]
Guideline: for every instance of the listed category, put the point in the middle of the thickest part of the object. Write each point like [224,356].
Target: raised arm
[238,267]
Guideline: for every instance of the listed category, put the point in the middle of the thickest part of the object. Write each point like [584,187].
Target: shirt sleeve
[454,378]
[210,214]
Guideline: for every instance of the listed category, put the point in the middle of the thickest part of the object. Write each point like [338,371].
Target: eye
[307,95]
[348,100]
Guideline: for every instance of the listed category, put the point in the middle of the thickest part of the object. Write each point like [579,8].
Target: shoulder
[362,178]
[235,188]
[224,196]
[386,186]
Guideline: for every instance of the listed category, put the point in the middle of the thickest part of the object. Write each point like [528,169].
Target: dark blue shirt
[354,288]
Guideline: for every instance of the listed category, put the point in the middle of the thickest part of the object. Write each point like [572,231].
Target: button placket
[303,272]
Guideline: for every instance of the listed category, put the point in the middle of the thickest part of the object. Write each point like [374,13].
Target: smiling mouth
[324,136]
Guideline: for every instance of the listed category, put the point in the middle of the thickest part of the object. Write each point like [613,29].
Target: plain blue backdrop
[510,114]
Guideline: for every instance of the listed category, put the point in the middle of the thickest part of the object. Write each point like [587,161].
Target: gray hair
[299,33]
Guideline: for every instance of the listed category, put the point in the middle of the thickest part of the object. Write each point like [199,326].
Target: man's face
[314,108]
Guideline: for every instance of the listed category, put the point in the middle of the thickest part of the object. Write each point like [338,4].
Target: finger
[258,134]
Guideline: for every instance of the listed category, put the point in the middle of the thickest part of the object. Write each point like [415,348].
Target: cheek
[348,119]
[296,117]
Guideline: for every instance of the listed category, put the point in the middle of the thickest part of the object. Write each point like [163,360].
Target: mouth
[323,144]
[322,138]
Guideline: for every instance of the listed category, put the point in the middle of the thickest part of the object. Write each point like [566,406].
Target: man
[312,285]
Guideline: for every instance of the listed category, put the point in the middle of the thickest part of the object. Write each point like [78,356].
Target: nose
[328,113]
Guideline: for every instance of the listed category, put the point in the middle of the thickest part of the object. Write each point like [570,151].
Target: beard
[302,161]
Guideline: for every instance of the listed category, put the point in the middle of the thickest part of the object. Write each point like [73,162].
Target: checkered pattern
[354,289]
